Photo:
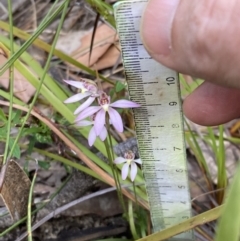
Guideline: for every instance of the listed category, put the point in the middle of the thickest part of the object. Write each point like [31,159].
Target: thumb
[199,38]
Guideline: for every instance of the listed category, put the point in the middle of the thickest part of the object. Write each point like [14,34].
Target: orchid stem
[111,157]
[135,194]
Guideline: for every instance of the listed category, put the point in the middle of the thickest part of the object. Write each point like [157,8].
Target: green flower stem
[29,214]
[135,194]
[118,187]
[114,169]
[131,220]
[11,70]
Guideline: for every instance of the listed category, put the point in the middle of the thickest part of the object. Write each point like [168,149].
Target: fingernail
[157,25]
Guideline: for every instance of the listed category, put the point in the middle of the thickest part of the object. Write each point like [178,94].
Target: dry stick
[79,153]
[65,207]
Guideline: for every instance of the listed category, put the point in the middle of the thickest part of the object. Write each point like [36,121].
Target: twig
[34,14]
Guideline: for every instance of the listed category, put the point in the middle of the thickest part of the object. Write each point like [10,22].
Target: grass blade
[229,224]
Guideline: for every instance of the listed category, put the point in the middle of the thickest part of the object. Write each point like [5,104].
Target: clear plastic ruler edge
[158,123]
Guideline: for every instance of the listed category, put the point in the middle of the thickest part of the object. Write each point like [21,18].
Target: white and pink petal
[84,123]
[125,170]
[92,137]
[139,161]
[124,104]
[76,84]
[88,112]
[119,160]
[84,105]
[133,171]
[116,119]
[103,134]
[99,121]
[77,97]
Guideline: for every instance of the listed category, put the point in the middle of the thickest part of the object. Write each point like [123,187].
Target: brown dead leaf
[104,38]
[22,88]
[15,190]
[109,58]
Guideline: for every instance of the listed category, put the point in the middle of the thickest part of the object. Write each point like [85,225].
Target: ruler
[159,123]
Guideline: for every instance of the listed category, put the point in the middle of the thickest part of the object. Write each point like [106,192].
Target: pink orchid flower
[92,134]
[106,107]
[88,89]
[129,162]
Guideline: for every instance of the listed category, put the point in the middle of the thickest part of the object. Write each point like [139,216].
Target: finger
[211,104]
[199,38]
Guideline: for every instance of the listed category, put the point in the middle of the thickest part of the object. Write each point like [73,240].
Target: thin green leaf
[44,164]
[3,131]
[16,116]
[189,224]
[32,130]
[119,86]
[2,116]
[229,224]
[213,140]
[16,152]
[222,176]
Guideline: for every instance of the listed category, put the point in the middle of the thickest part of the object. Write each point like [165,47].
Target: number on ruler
[181,187]
[176,148]
[173,103]
[170,80]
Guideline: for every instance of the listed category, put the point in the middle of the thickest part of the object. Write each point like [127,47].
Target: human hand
[202,39]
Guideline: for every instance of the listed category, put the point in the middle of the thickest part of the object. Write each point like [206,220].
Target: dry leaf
[70,42]
[109,59]
[104,38]
[22,88]
[15,190]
